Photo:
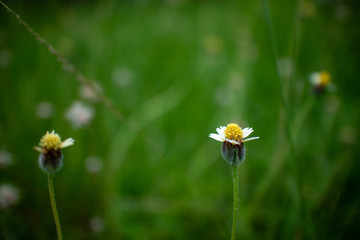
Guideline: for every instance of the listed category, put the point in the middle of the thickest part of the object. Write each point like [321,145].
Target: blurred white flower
[97,224]
[5,159]
[9,195]
[79,115]
[93,164]
[122,76]
[44,110]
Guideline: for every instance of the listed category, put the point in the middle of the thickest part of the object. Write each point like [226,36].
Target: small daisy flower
[50,146]
[321,81]
[233,138]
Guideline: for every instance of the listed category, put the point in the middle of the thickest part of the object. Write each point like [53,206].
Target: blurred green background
[176,70]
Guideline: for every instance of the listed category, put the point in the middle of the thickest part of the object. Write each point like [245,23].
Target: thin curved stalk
[53,205]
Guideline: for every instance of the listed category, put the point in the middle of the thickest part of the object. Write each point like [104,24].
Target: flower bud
[233,153]
[51,161]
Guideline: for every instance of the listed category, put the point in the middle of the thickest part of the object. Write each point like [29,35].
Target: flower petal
[232,141]
[249,139]
[247,131]
[68,142]
[217,137]
[221,130]
[39,149]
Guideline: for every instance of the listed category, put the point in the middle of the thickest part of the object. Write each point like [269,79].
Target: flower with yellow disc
[233,137]
[321,81]
[50,146]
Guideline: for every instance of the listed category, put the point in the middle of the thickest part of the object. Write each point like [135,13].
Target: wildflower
[233,137]
[321,81]
[79,115]
[233,151]
[50,159]
[9,195]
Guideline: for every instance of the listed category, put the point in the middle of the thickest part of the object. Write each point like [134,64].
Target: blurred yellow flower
[321,81]
[52,141]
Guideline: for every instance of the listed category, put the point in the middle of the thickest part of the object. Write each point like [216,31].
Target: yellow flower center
[50,141]
[233,132]
[324,78]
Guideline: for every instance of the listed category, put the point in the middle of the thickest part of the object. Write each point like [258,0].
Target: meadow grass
[174,70]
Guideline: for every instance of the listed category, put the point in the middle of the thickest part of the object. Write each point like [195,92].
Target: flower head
[321,81]
[233,137]
[50,158]
[233,134]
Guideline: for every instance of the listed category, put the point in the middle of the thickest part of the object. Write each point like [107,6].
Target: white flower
[233,134]
[79,115]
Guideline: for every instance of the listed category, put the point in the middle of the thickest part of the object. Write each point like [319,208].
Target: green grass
[163,178]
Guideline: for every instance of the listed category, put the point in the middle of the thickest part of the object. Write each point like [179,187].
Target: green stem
[53,204]
[235,175]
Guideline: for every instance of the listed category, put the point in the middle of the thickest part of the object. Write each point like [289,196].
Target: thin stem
[68,66]
[53,204]
[235,175]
